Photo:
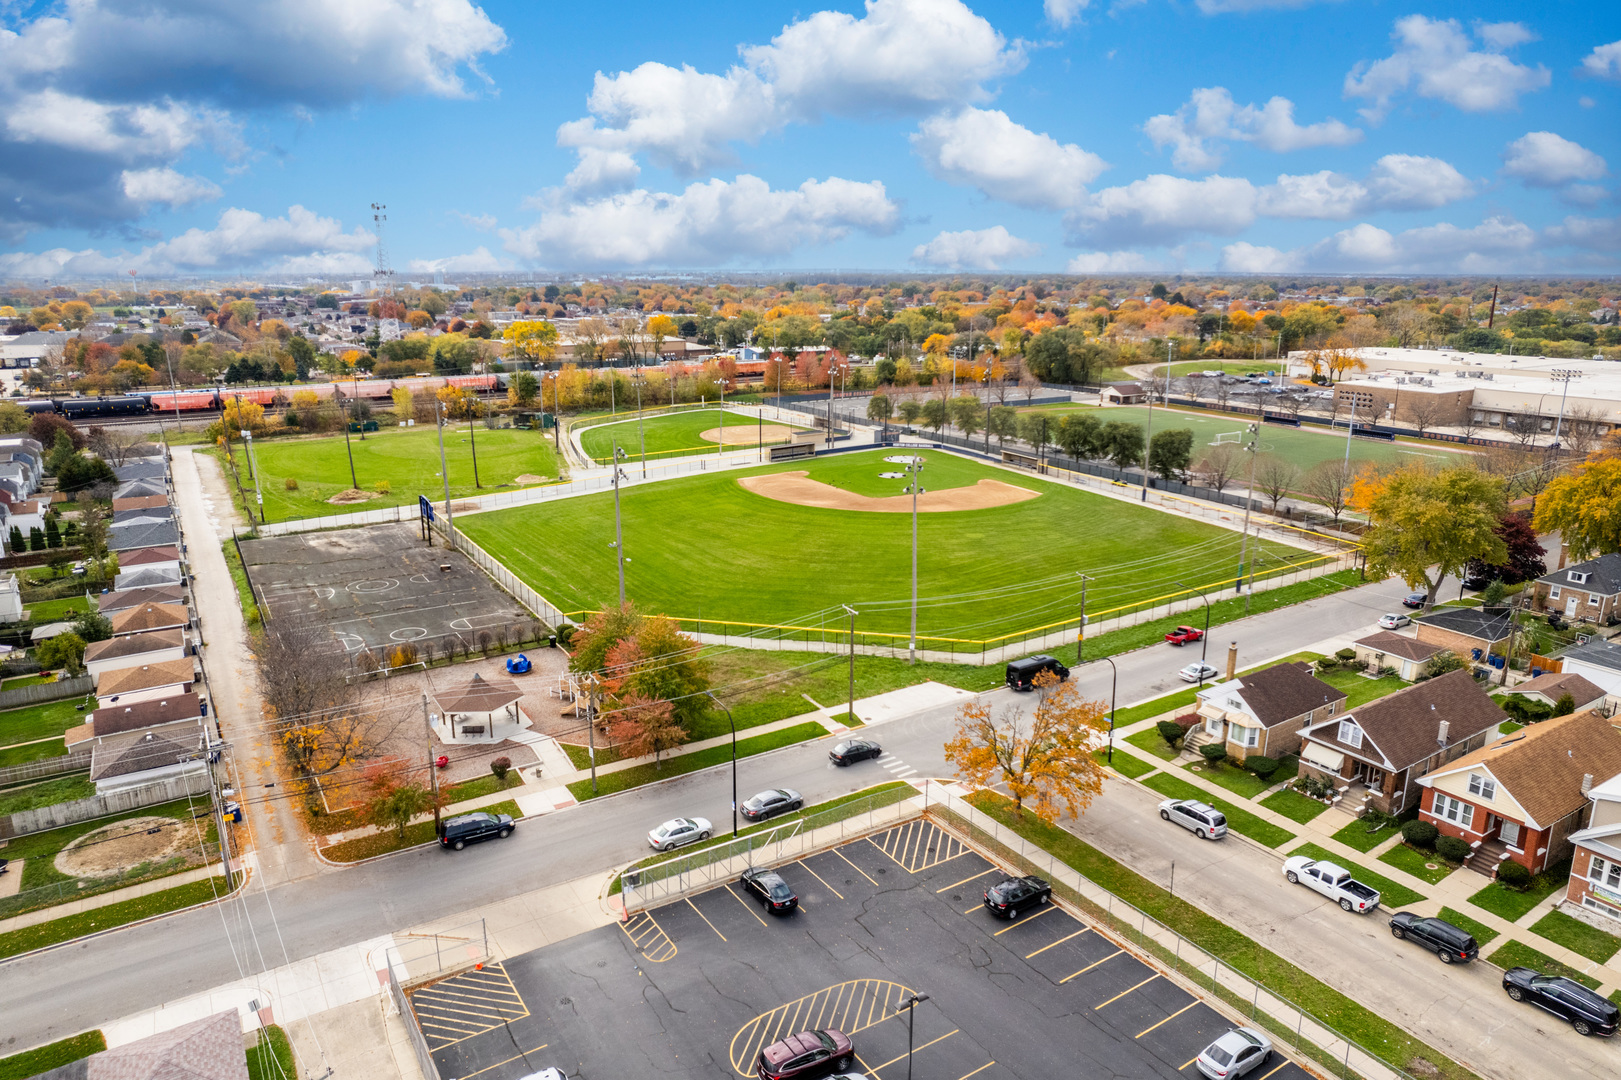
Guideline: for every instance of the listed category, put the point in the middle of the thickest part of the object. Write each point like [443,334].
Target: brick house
[1389,649]
[1588,590]
[1375,753]
[1465,630]
[1595,871]
[1263,712]
[1521,797]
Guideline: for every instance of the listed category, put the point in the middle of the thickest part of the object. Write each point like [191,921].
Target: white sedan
[1196,673]
[679,831]
[1394,621]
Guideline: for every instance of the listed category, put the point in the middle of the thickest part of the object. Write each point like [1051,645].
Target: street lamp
[1204,642]
[1114,684]
[910,1008]
[711,695]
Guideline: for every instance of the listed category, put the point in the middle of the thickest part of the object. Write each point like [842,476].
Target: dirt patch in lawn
[353,495]
[529,478]
[127,843]
[798,488]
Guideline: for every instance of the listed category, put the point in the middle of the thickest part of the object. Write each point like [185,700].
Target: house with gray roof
[124,537]
[1263,712]
[1598,661]
[1586,591]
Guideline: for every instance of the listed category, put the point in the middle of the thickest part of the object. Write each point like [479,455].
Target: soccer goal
[1228,438]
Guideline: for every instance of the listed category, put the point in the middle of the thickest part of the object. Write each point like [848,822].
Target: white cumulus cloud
[1110,262]
[710,223]
[1062,13]
[1495,244]
[1211,116]
[974,249]
[479,260]
[1604,61]
[1396,182]
[985,149]
[1159,209]
[166,186]
[1543,159]
[1435,58]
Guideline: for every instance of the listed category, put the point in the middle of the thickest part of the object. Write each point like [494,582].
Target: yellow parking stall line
[1168,1019]
[746,907]
[890,854]
[1123,993]
[1090,966]
[920,1049]
[1186,1063]
[1060,941]
[446,1012]
[1026,922]
[977,1071]
[975,908]
[966,880]
[818,877]
[466,1029]
[916,841]
[705,918]
[1280,1065]
[856,868]
[482,995]
[942,862]
[510,1060]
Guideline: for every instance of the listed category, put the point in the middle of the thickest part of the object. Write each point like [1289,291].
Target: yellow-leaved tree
[531,341]
[1584,507]
[1043,758]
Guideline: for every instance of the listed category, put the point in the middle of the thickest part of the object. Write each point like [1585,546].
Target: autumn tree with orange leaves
[1044,758]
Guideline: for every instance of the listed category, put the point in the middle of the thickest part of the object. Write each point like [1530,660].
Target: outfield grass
[1293,805]
[1392,894]
[674,435]
[707,551]
[1239,820]
[408,459]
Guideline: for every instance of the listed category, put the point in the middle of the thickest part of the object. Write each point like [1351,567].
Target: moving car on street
[1333,881]
[853,750]
[1204,820]
[770,803]
[1182,635]
[457,832]
[1565,998]
[1021,674]
[1414,600]
[1011,897]
[1394,621]
[1452,944]
[1197,673]
[679,831]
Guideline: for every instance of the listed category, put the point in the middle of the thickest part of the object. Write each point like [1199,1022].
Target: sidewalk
[107,899]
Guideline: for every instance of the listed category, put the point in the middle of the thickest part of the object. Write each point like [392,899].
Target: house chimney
[1441,733]
[1587,783]
[1564,554]
[1232,659]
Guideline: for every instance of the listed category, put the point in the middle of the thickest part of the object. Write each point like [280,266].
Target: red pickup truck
[1184,634]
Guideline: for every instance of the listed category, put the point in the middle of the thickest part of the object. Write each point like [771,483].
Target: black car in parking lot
[457,832]
[1567,999]
[1011,897]
[768,887]
[1452,944]
[853,750]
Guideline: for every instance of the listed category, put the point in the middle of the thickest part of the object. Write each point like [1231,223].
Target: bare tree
[1276,476]
[1471,421]
[1583,427]
[1423,411]
[1223,391]
[1290,403]
[1328,483]
[1028,385]
[1193,387]
[1523,425]
[304,678]
[118,445]
[1220,465]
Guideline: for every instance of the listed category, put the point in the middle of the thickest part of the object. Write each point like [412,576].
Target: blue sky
[215,138]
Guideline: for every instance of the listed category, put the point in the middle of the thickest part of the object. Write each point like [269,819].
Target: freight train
[169,402]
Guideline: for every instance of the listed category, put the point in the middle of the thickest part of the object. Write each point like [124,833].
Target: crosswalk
[897,768]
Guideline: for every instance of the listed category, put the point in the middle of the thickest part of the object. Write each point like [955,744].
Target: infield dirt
[798,488]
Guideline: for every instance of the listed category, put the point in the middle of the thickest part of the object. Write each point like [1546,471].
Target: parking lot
[697,987]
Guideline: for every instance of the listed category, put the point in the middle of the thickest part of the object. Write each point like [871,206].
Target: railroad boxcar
[122,405]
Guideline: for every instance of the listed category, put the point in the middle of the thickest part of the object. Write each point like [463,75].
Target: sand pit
[528,478]
[798,488]
[352,496]
[116,847]
[746,434]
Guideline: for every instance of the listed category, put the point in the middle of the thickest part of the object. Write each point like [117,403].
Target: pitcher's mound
[752,434]
[798,488]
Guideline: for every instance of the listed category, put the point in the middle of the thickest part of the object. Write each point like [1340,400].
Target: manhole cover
[565,1001]
[881,870]
[956,898]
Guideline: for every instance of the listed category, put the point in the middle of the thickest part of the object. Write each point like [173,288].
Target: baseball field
[677,434]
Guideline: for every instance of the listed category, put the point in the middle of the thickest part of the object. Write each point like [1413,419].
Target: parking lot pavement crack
[719,991]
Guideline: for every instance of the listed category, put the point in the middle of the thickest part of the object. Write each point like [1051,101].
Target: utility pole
[433,766]
[557,415]
[853,613]
[1080,631]
[253,463]
[1243,545]
[472,440]
[354,482]
[619,536]
[915,467]
[641,432]
[721,448]
[1148,436]
[444,474]
[591,720]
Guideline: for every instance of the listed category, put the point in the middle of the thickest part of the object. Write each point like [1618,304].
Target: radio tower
[383,276]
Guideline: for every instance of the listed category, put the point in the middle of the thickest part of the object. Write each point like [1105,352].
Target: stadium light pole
[1148,436]
[472,439]
[915,467]
[444,471]
[1563,375]
[1249,493]
[711,695]
[619,537]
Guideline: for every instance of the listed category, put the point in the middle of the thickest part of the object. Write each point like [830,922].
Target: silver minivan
[1204,820]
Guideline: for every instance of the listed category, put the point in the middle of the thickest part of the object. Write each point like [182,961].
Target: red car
[1184,634]
[808,1054]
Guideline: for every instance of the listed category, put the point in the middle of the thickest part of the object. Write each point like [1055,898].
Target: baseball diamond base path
[798,488]
[745,434]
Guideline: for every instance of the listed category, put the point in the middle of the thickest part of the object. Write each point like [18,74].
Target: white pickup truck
[1334,882]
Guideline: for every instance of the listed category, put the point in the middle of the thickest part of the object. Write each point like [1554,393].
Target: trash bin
[630,879]
[233,812]
[551,639]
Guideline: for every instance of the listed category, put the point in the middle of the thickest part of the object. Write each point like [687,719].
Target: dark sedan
[1414,600]
[771,803]
[1011,897]
[806,1055]
[1452,944]
[768,887]
[853,750]
[1565,998]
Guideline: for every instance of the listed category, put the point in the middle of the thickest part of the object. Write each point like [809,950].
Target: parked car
[1566,998]
[770,803]
[678,831]
[1333,881]
[547,1074]
[1011,897]
[1476,579]
[808,1054]
[1238,1053]
[769,888]
[1414,600]
[1452,944]
[1021,674]
[1206,822]
[1394,621]
[457,832]
[1197,673]
[1184,634]
[852,750]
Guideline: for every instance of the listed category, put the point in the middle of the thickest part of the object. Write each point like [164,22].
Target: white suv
[1202,819]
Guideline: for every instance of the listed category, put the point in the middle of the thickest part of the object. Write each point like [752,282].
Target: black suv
[1011,897]
[1021,674]
[768,887]
[457,832]
[1566,998]
[1448,942]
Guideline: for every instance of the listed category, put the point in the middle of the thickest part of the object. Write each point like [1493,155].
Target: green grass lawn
[1391,894]
[1577,936]
[46,793]
[36,751]
[416,834]
[1151,742]
[17,682]
[1293,805]
[1478,930]
[975,585]
[1358,689]
[1508,727]
[271,1058]
[1238,820]
[636,775]
[40,849]
[51,1056]
[408,459]
[239,578]
[1358,835]
[105,918]
[1518,954]
[675,435]
[1238,780]
[1124,763]
[39,721]
[1178,698]
[1514,905]
[53,611]
[1418,863]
